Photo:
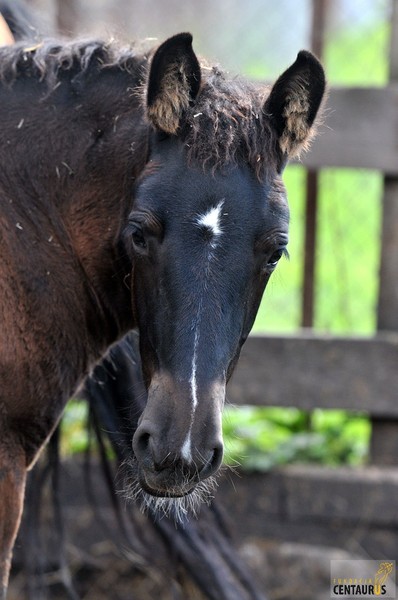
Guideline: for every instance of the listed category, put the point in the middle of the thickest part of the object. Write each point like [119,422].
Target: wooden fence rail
[318,371]
[353,509]
[360,130]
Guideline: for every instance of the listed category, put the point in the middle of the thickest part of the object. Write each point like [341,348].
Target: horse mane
[46,60]
[227,124]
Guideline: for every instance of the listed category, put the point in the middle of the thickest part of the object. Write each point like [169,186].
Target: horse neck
[80,189]
[95,214]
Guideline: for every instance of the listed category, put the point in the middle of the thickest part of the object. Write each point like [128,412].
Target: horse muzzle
[175,447]
[174,477]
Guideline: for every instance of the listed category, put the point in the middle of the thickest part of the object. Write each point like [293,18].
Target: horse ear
[174,82]
[294,102]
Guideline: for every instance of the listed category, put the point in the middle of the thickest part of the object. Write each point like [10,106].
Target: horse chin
[176,503]
[165,493]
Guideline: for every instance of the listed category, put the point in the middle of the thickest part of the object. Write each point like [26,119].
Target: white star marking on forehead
[212,219]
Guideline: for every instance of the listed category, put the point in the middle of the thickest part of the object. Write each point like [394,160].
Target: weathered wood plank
[364,495]
[319,371]
[355,495]
[343,507]
[360,130]
[384,442]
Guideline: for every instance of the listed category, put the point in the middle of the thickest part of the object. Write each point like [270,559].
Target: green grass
[261,438]
[347,257]
[358,56]
[281,305]
[74,437]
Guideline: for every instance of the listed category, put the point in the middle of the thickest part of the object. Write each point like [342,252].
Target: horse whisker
[176,508]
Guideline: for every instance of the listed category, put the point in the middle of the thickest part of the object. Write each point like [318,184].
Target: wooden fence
[351,508]
[345,507]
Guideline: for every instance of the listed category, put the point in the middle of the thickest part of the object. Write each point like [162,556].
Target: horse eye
[138,237]
[274,258]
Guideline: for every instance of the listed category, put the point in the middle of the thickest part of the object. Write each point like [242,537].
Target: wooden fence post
[319,11]
[384,439]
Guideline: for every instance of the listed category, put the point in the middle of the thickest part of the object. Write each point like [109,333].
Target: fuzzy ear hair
[174,82]
[294,102]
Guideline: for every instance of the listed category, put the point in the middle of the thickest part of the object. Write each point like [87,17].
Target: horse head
[208,226]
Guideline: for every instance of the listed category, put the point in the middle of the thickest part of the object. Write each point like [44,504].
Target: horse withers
[137,191]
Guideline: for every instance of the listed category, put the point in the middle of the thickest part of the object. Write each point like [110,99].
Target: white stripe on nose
[210,220]
[186,449]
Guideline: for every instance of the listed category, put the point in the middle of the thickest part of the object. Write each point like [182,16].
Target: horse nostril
[142,445]
[214,463]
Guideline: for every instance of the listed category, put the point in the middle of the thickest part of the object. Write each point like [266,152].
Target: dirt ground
[284,571]
[103,567]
